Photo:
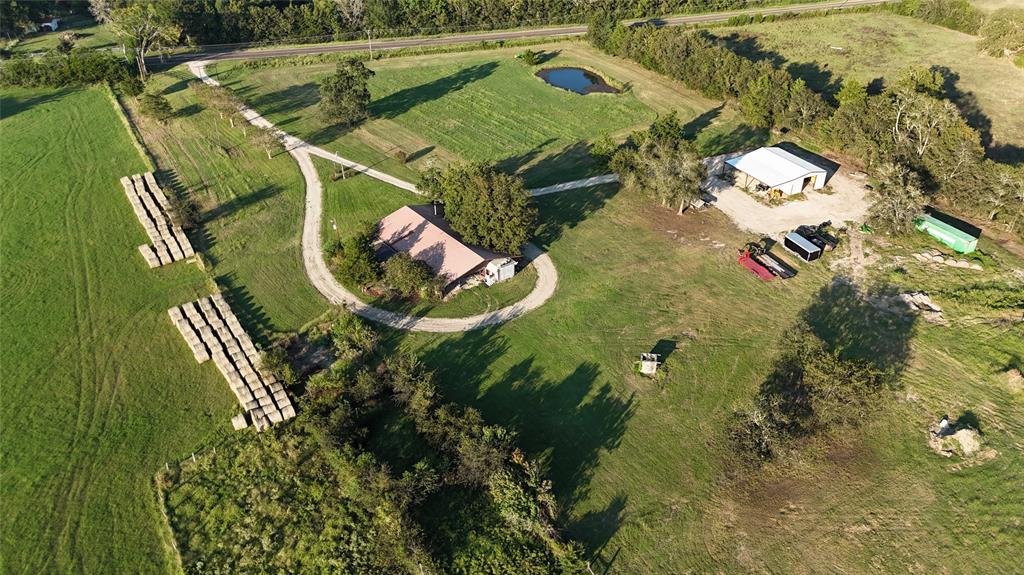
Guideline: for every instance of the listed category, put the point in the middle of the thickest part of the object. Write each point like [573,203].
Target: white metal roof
[774,166]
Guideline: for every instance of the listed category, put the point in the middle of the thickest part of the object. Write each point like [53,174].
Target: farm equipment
[819,236]
[756,257]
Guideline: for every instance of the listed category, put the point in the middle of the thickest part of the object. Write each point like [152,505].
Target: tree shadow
[187,111]
[13,105]
[418,154]
[598,527]
[569,421]
[849,320]
[966,102]
[545,56]
[750,47]
[396,104]
[818,78]
[698,124]
[968,419]
[742,137]
[572,162]
[239,203]
[251,315]
[291,99]
[513,164]
[565,210]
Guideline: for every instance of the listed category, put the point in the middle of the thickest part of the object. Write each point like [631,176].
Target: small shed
[499,270]
[801,246]
[953,237]
[649,363]
[777,169]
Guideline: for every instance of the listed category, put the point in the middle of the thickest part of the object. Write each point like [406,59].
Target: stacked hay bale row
[212,331]
[152,208]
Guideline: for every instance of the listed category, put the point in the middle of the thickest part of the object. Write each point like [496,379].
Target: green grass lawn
[252,210]
[358,200]
[878,46]
[90,35]
[99,389]
[480,106]
[641,467]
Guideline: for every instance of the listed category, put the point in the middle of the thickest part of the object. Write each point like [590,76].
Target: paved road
[312,246]
[234,52]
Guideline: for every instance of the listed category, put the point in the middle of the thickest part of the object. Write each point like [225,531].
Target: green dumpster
[959,240]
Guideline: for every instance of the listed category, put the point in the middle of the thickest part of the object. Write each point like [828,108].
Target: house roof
[774,166]
[427,237]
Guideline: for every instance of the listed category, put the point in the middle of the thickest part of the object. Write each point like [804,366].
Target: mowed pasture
[643,470]
[250,209]
[875,47]
[476,106]
[99,389]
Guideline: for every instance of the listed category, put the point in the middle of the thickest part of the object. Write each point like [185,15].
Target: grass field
[99,389]
[480,106]
[641,468]
[252,210]
[878,46]
[352,203]
[90,35]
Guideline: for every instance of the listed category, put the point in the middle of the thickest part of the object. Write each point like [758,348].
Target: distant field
[90,35]
[483,106]
[252,209]
[99,389]
[878,46]
[990,5]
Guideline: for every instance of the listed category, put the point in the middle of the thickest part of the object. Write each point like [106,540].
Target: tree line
[915,143]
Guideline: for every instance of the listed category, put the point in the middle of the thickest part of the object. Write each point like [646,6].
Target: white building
[777,169]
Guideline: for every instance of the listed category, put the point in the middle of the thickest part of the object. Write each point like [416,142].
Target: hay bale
[149,255]
[266,402]
[280,397]
[239,422]
[287,411]
[274,416]
[251,405]
[176,314]
[259,391]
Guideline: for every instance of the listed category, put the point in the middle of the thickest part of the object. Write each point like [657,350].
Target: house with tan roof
[422,232]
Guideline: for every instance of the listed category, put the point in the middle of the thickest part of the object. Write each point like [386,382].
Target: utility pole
[369,40]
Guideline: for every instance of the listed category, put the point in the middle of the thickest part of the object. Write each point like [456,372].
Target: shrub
[358,264]
[55,70]
[1003,32]
[529,57]
[407,277]
[131,85]
[155,106]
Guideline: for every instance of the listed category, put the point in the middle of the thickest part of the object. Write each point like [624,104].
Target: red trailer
[755,266]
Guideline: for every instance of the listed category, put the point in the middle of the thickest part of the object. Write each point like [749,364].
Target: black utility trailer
[802,247]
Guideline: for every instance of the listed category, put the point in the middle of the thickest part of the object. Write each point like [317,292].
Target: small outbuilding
[802,247]
[776,169]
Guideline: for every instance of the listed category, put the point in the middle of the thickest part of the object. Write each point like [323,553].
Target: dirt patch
[1015,381]
[706,227]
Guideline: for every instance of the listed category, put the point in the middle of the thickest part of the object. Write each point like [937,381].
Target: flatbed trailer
[776,265]
[755,266]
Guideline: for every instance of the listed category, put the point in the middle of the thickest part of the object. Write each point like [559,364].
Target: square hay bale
[251,405]
[287,411]
[275,386]
[261,423]
[245,396]
[149,255]
[259,391]
[176,315]
[280,397]
[274,416]
[266,402]
[239,422]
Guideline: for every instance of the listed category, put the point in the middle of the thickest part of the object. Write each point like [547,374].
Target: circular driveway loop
[325,282]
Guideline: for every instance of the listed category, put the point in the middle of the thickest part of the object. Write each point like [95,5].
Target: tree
[1003,32]
[408,277]
[485,206]
[66,41]
[671,173]
[142,26]
[805,107]
[898,199]
[155,106]
[359,264]
[265,138]
[756,103]
[600,29]
[344,95]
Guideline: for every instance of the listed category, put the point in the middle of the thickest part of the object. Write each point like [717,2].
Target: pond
[576,80]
